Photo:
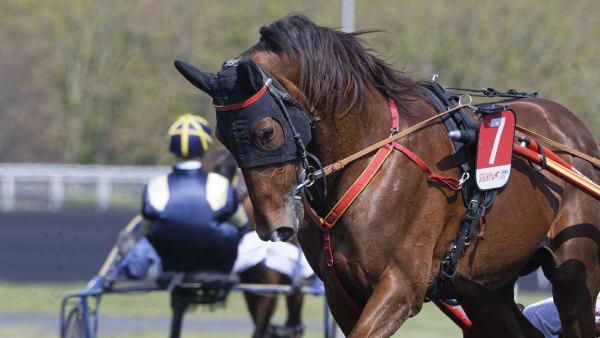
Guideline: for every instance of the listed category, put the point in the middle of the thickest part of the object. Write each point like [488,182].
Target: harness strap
[343,162]
[351,194]
[336,212]
[329,253]
[394,111]
[334,274]
[357,187]
[450,182]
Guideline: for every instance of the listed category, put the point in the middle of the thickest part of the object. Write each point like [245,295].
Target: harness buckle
[473,206]
[467,96]
[481,209]
[394,131]
[231,63]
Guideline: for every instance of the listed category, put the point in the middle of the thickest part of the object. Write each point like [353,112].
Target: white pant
[279,256]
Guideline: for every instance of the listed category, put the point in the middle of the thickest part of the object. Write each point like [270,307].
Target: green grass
[44,300]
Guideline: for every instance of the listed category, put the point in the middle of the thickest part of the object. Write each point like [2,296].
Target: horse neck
[337,136]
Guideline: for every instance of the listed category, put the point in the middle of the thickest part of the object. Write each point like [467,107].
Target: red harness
[325,224]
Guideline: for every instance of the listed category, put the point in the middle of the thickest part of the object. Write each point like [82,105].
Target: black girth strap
[454,250]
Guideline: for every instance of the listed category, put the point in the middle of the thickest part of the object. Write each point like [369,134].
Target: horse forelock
[335,67]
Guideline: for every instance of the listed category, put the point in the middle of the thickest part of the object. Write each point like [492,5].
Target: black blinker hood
[236,92]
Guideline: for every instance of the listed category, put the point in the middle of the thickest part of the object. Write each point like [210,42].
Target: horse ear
[249,72]
[202,80]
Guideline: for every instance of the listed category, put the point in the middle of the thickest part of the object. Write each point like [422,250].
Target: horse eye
[266,134]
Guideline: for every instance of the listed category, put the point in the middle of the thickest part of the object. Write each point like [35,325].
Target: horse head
[267,131]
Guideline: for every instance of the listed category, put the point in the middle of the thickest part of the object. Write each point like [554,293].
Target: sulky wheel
[75,325]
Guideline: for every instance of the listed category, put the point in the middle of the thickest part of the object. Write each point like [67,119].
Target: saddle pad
[494,150]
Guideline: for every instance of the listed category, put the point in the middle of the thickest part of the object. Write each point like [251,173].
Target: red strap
[338,210]
[333,273]
[394,111]
[357,187]
[450,182]
[329,253]
[242,104]
[317,220]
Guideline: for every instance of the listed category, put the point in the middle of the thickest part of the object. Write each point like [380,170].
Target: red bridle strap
[246,103]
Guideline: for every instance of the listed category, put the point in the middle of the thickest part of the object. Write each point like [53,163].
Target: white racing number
[499,122]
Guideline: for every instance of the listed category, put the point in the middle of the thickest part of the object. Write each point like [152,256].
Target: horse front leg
[396,297]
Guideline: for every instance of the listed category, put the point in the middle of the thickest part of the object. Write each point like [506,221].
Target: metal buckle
[481,209]
[309,179]
[474,205]
[231,63]
[470,100]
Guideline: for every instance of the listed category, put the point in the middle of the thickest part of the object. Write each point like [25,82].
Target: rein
[339,165]
[561,147]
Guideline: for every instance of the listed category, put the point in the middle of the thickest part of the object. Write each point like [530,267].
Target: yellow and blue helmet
[189,136]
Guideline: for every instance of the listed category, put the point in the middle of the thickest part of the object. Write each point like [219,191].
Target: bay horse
[261,307]
[388,244]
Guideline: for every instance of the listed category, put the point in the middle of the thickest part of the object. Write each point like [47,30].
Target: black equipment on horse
[238,95]
[463,133]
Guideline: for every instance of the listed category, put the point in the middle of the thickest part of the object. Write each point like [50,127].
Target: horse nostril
[282,234]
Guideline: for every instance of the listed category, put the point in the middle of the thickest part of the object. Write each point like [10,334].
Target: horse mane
[334,66]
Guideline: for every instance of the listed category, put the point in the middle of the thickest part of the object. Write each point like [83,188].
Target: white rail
[34,186]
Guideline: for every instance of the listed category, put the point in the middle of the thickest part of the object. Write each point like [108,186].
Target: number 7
[499,122]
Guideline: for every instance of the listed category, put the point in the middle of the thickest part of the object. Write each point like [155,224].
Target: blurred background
[88,90]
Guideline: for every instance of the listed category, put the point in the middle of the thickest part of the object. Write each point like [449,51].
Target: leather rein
[396,135]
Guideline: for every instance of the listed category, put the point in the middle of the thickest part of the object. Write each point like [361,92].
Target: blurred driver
[192,218]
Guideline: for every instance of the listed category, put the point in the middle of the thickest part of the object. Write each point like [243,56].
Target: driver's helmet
[189,136]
